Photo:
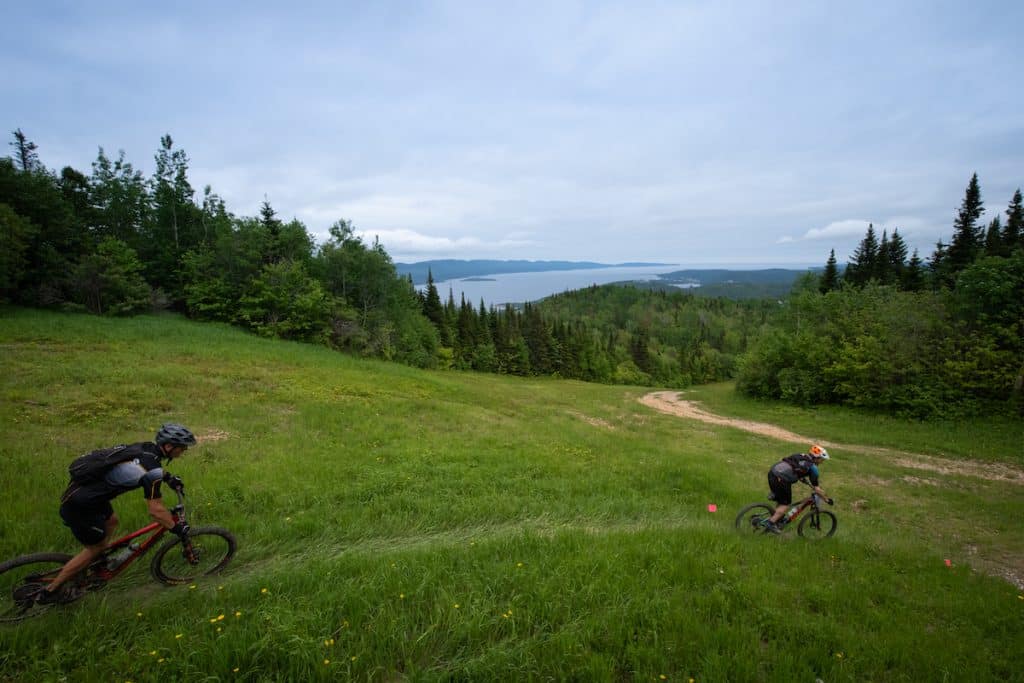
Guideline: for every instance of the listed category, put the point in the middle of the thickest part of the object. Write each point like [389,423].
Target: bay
[518,288]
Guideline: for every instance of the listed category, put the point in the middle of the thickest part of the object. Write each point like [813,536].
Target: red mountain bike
[818,524]
[206,550]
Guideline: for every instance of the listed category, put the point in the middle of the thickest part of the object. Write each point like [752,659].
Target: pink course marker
[712,507]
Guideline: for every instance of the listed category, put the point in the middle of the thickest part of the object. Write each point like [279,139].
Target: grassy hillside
[396,524]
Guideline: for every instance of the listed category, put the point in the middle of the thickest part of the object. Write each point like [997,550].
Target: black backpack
[92,466]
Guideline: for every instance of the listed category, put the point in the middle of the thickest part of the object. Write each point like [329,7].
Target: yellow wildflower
[235,670]
[263,590]
[178,635]
[238,614]
[326,662]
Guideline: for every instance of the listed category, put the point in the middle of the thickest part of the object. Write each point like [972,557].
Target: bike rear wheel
[22,578]
[212,549]
[817,525]
[751,518]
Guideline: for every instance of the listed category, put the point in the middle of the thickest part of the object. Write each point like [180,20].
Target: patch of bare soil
[593,421]
[212,435]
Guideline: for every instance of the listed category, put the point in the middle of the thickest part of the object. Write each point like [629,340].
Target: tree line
[888,332]
[115,242]
[610,334]
[942,337]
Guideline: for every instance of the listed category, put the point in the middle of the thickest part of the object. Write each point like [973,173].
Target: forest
[941,337]
[887,332]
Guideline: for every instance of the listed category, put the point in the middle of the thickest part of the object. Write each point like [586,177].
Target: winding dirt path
[671,403]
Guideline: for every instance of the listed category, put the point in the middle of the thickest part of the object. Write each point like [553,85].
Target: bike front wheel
[752,517]
[211,550]
[816,525]
[21,579]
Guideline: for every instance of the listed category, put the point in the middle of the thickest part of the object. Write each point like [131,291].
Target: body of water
[517,288]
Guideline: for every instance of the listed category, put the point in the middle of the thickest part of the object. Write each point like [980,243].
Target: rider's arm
[151,490]
[158,512]
[813,476]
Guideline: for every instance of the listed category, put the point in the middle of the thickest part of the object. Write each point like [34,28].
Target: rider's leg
[783,496]
[90,534]
[76,564]
[780,510]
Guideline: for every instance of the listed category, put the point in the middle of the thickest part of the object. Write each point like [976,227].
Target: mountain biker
[86,510]
[787,472]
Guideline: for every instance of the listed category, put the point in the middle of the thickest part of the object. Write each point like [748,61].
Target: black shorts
[782,489]
[87,522]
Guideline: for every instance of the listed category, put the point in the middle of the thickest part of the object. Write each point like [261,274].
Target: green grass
[396,524]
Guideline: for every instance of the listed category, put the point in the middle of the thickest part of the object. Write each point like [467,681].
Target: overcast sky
[757,133]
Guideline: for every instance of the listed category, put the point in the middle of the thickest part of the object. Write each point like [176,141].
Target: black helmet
[175,434]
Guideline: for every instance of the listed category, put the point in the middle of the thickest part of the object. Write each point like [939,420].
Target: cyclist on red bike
[787,472]
[85,506]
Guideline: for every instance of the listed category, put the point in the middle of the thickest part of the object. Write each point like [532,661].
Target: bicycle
[205,550]
[816,525]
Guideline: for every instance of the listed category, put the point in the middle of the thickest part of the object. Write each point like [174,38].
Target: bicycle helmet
[175,434]
[818,453]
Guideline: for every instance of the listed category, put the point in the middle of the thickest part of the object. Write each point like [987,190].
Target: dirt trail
[670,402]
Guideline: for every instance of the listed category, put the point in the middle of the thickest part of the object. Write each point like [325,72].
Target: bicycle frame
[98,569]
[801,507]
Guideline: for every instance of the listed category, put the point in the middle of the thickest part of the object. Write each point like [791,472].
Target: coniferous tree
[830,277]
[994,239]
[967,237]
[897,257]
[25,156]
[434,310]
[912,278]
[273,225]
[864,261]
[881,272]
[938,266]
[1013,233]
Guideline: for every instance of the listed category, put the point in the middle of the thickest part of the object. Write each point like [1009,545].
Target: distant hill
[450,269]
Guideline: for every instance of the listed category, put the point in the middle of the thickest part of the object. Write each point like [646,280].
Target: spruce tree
[270,222]
[864,260]
[912,277]
[434,311]
[938,266]
[1013,233]
[994,239]
[897,261]
[830,278]
[881,270]
[967,237]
